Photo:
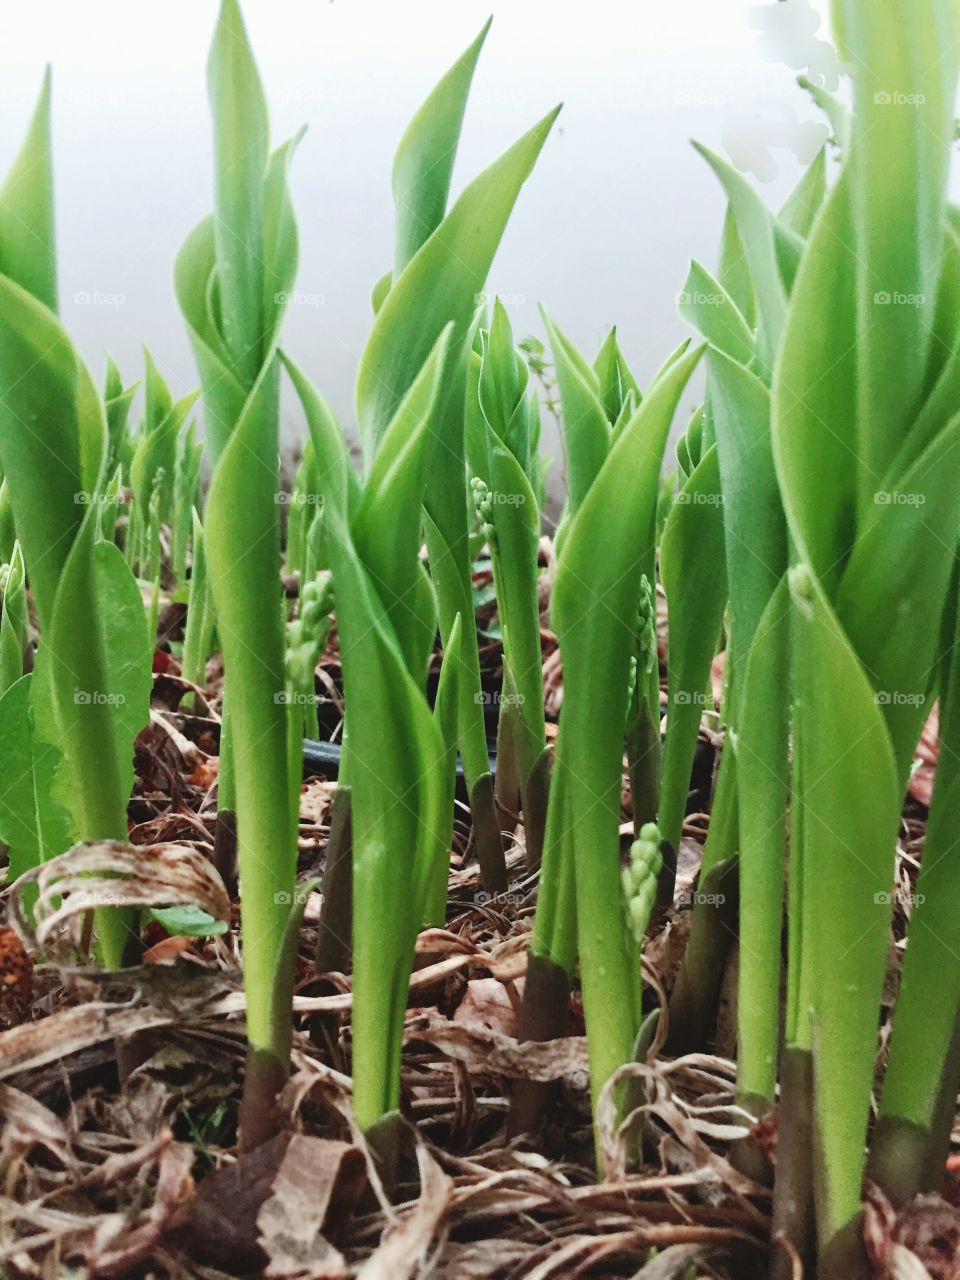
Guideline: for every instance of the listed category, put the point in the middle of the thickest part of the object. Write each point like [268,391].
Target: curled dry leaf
[27,1123]
[490,1052]
[134,1001]
[113,873]
[121,1240]
[690,1122]
[405,1244]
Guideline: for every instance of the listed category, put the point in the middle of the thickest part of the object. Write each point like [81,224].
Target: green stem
[602,941]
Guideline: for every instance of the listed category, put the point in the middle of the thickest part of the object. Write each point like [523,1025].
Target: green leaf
[224,394]
[693,572]
[52,437]
[926,1009]
[763,784]
[240,143]
[445,709]
[281,245]
[814,397]
[586,429]
[243,553]
[28,253]
[615,380]
[187,922]
[755,533]
[849,814]
[386,527]
[837,112]
[13,622]
[705,304]
[594,611]
[755,226]
[806,199]
[440,284]
[905,71]
[423,164]
[399,819]
[32,824]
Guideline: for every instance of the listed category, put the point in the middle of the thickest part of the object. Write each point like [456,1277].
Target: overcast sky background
[602,232]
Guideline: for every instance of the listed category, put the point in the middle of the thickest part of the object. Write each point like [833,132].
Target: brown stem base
[666,883]
[225,850]
[335,936]
[487,839]
[899,1152]
[536,792]
[844,1256]
[336,914]
[265,1076]
[793,1214]
[544,1016]
[694,1000]
[384,1140]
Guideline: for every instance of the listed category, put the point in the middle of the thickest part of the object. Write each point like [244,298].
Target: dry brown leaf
[281,1196]
[121,1240]
[928,752]
[205,773]
[921,1241]
[154,996]
[496,1054]
[317,1185]
[486,1004]
[113,873]
[405,1244]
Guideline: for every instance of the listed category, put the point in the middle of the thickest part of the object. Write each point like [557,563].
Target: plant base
[486,836]
[793,1214]
[545,1015]
[265,1076]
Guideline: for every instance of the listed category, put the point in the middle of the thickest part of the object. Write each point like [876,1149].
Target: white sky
[602,233]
